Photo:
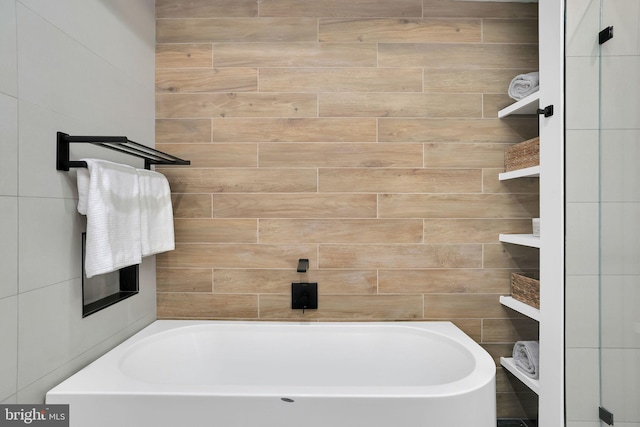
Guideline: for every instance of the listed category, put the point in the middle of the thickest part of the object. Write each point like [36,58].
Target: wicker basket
[526,289]
[523,155]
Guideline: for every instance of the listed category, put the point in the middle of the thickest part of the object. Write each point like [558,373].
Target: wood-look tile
[191,205]
[455,80]
[399,256]
[452,306]
[456,130]
[236,105]
[458,206]
[367,155]
[183,130]
[453,9]
[240,180]
[238,255]
[184,280]
[496,351]
[491,183]
[190,305]
[351,79]
[471,327]
[458,55]
[184,55]
[472,230]
[392,180]
[399,105]
[517,405]
[215,230]
[505,255]
[455,280]
[296,55]
[214,155]
[340,231]
[206,8]
[387,30]
[509,330]
[236,30]
[278,281]
[344,307]
[207,80]
[510,31]
[295,205]
[295,130]
[331,8]
[492,103]
[507,383]
[464,154]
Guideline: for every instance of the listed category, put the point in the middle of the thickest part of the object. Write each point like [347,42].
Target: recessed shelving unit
[528,105]
[509,365]
[532,172]
[521,239]
[520,307]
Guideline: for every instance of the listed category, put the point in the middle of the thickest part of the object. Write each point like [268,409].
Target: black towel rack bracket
[122,144]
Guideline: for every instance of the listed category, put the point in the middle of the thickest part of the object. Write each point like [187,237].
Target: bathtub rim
[104,376]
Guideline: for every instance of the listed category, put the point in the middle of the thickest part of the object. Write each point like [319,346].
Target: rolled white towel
[524,85]
[526,357]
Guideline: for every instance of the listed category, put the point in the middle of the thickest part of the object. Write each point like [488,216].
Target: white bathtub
[178,373]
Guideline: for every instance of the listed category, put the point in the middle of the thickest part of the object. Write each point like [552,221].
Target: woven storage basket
[523,155]
[526,289]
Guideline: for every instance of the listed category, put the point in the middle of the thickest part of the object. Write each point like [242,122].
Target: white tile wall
[50,245]
[581,165]
[9,145]
[9,246]
[582,382]
[581,325]
[84,67]
[9,347]
[621,384]
[581,255]
[582,82]
[9,69]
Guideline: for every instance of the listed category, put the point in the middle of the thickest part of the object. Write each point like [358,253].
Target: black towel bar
[122,144]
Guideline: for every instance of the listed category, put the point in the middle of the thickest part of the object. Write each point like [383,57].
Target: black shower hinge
[606,416]
[605,35]
[547,111]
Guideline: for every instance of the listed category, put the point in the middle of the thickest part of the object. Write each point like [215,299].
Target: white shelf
[521,239]
[528,105]
[532,172]
[520,307]
[509,365]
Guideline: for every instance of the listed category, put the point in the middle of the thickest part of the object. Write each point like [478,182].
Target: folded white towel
[113,217]
[527,358]
[524,85]
[156,213]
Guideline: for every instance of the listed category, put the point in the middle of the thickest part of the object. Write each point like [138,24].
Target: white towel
[156,213]
[83,189]
[113,217]
[524,85]
[526,357]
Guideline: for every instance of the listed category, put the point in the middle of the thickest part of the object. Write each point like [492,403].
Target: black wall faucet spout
[303,265]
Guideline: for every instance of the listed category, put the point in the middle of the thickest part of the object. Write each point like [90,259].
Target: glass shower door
[619,206]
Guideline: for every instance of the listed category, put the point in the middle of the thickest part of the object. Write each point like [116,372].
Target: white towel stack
[524,85]
[129,215]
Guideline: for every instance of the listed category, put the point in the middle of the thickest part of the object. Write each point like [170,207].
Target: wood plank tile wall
[362,135]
